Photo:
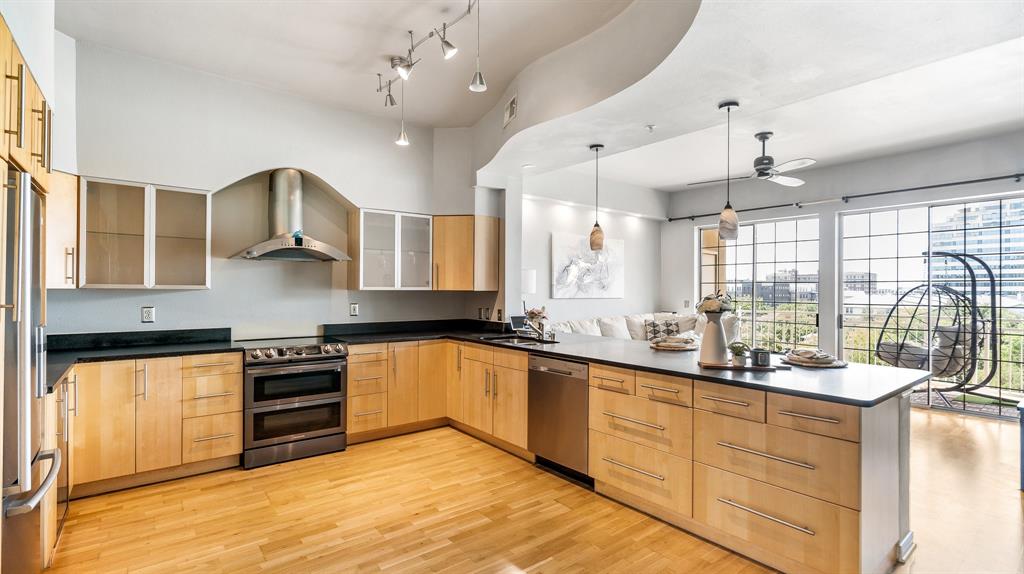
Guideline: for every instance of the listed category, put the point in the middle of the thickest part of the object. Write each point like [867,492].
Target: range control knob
[338,348]
[257,354]
[327,349]
[269,353]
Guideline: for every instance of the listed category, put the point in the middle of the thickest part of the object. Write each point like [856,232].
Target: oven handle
[288,406]
[333,366]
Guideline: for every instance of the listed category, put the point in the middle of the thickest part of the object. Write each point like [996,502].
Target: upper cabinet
[16,104]
[394,251]
[143,236]
[466,252]
[62,231]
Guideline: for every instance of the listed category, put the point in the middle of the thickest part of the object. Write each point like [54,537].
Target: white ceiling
[331,51]
[967,96]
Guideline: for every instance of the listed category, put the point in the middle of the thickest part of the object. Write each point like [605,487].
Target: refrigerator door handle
[30,504]
[40,361]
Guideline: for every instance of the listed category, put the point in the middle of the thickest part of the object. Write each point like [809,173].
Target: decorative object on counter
[732,367]
[713,344]
[661,329]
[537,317]
[596,234]
[739,353]
[761,357]
[688,342]
[577,272]
[814,358]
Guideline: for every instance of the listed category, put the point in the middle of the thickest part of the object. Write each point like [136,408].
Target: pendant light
[728,221]
[596,234]
[478,84]
[448,50]
[403,138]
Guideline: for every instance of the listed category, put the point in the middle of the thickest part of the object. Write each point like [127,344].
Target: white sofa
[633,326]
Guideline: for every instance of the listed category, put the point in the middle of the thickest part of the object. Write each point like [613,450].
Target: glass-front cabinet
[395,250]
[139,236]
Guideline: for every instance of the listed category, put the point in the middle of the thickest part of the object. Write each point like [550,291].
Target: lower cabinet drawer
[657,477]
[211,395]
[367,412]
[367,378]
[211,436]
[650,423]
[815,533]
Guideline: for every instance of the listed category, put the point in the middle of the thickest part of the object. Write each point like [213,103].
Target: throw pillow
[664,328]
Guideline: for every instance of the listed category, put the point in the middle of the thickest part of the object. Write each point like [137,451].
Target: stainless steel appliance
[294,399]
[557,413]
[24,381]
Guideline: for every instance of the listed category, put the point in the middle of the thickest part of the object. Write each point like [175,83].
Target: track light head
[402,65]
[389,101]
[447,48]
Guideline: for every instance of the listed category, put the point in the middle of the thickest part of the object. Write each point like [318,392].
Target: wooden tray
[732,367]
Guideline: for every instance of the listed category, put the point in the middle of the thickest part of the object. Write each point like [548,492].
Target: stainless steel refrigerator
[24,380]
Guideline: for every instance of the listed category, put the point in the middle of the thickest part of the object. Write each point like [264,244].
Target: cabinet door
[486,252]
[433,374]
[39,118]
[103,445]
[453,385]
[378,250]
[477,410]
[453,252]
[403,372]
[508,388]
[6,44]
[415,248]
[61,231]
[181,243]
[158,414]
[113,236]
[18,109]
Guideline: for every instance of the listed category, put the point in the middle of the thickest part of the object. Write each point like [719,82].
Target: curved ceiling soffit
[582,74]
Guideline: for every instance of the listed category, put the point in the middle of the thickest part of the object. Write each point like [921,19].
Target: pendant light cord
[403,104]
[478,35]
[597,186]
[728,151]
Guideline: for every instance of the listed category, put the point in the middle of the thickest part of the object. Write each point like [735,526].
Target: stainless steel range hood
[287,241]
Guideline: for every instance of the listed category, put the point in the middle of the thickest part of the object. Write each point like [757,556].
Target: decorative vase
[712,343]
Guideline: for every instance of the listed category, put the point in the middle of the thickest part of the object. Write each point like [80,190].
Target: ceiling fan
[765,168]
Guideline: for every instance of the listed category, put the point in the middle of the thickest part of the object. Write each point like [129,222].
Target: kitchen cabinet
[158,414]
[453,386]
[477,410]
[433,371]
[403,375]
[10,85]
[18,128]
[494,395]
[40,119]
[210,436]
[103,444]
[508,388]
[394,250]
[61,231]
[466,252]
[135,235]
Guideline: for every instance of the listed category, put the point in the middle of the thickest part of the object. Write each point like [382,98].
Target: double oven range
[294,399]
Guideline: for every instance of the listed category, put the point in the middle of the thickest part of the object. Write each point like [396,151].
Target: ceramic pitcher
[712,343]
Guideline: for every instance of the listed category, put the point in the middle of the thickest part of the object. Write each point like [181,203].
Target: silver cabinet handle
[49,140]
[612,379]
[458,362]
[657,388]
[494,385]
[766,455]
[632,420]
[394,364]
[32,502]
[613,389]
[633,468]
[75,381]
[43,114]
[810,417]
[214,437]
[69,270]
[368,413]
[487,382]
[200,365]
[67,410]
[214,395]
[19,129]
[361,379]
[735,504]
[145,381]
[726,401]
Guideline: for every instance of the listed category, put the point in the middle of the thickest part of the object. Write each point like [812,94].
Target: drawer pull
[810,417]
[766,516]
[633,468]
[213,395]
[726,401]
[766,455]
[657,388]
[224,364]
[613,389]
[214,437]
[364,353]
[368,413]
[612,379]
[361,379]
[632,420]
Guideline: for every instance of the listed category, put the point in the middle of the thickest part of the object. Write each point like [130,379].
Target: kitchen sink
[517,340]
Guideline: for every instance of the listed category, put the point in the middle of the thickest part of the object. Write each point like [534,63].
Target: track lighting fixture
[389,100]
[404,65]
[448,50]
[728,221]
[403,138]
[478,84]
[596,234]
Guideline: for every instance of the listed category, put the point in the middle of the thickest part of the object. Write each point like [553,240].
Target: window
[771,271]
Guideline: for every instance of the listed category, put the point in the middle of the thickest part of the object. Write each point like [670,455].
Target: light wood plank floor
[440,501]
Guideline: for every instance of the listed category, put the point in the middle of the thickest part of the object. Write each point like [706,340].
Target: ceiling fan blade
[721,180]
[795,164]
[786,180]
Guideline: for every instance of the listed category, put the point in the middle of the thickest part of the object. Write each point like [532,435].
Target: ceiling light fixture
[728,221]
[596,234]
[447,48]
[403,138]
[404,65]
[478,84]
[389,100]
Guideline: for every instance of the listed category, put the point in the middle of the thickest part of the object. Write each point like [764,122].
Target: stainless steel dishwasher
[558,406]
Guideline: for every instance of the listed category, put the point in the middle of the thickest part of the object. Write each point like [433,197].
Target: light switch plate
[149,314]
[353,309]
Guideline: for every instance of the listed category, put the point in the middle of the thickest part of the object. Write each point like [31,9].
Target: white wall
[992,156]
[65,124]
[31,24]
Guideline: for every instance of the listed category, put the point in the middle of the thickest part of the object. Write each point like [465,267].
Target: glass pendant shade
[478,84]
[596,238]
[403,138]
[728,223]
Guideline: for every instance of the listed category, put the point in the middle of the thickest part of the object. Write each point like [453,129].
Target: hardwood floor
[440,501]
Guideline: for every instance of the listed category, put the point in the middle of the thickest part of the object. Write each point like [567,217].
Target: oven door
[267,426]
[276,385]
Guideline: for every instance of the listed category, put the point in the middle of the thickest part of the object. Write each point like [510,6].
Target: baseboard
[377,434]
[493,441]
[153,476]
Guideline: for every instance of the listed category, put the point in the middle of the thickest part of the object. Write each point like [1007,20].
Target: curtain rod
[847,198]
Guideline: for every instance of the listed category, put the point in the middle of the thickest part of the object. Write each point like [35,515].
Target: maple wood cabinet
[403,383]
[494,396]
[103,441]
[466,252]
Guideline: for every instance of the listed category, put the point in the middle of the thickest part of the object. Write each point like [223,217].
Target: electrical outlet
[353,309]
[686,303]
[149,314]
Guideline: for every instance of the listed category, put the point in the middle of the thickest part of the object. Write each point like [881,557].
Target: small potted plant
[739,353]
